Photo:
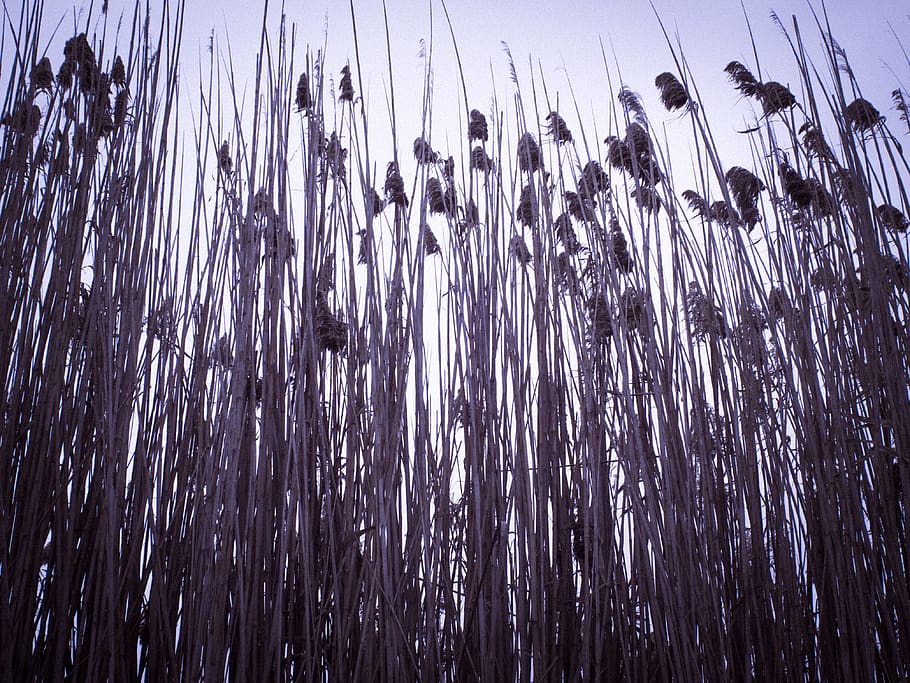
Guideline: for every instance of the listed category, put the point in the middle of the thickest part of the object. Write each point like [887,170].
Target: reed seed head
[331,332]
[672,93]
[527,207]
[600,319]
[632,308]
[470,217]
[557,128]
[336,157]
[631,104]
[65,74]
[118,73]
[375,203]
[697,204]
[618,154]
[224,159]
[814,142]
[861,115]
[423,153]
[435,196]
[566,277]
[593,180]
[566,234]
[775,98]
[480,161]
[346,90]
[619,249]
[638,141]
[302,98]
[705,317]
[892,218]
[647,198]
[394,186]
[745,188]
[742,79]
[901,106]
[24,121]
[477,126]
[121,107]
[824,279]
[430,243]
[581,206]
[519,250]
[42,76]
[779,305]
[448,169]
[528,153]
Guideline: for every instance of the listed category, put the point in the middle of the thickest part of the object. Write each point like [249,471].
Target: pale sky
[711,32]
[564,40]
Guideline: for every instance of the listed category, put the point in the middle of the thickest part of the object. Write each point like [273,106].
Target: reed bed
[298,405]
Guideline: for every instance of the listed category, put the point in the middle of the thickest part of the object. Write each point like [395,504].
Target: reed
[303,406]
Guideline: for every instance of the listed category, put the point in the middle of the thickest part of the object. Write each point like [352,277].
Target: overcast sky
[563,40]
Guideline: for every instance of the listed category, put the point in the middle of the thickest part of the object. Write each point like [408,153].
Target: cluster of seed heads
[330,330]
[394,186]
[302,99]
[346,89]
[527,207]
[557,128]
[745,187]
[519,250]
[705,317]
[672,93]
[529,159]
[477,127]
[773,96]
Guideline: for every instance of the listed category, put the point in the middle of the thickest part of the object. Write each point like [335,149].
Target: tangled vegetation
[316,411]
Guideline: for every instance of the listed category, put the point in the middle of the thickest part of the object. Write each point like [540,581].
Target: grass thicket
[296,405]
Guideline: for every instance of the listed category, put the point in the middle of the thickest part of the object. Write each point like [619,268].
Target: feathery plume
[619,249]
[601,319]
[892,218]
[775,98]
[394,186]
[742,79]
[302,99]
[697,203]
[745,188]
[565,233]
[618,154]
[861,115]
[424,153]
[631,103]
[519,250]
[900,105]
[593,180]
[672,93]
[528,153]
[557,128]
[480,161]
[582,207]
[704,316]
[527,207]
[42,76]
[647,198]
[118,73]
[430,244]
[331,332]
[477,126]
[346,89]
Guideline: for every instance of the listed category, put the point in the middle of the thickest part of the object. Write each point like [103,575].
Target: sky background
[563,40]
[582,50]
